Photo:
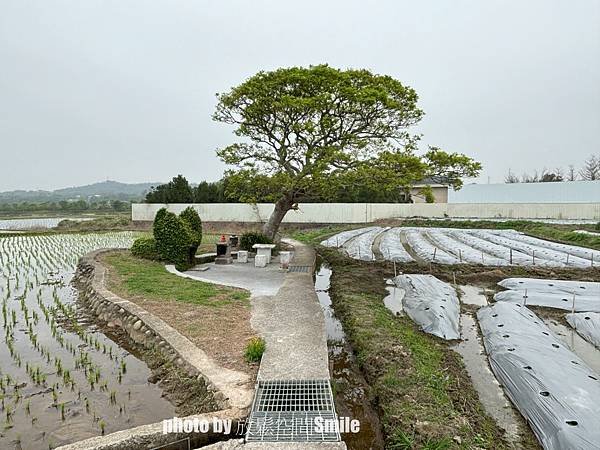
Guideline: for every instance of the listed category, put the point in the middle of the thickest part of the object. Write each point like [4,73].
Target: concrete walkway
[293,325]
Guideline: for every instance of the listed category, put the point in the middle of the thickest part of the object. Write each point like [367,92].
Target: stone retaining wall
[232,391]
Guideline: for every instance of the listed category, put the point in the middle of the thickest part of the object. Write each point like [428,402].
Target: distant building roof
[559,192]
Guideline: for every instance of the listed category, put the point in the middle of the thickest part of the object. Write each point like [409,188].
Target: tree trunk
[283,205]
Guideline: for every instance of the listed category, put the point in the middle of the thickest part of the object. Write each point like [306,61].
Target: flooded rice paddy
[36,223]
[62,379]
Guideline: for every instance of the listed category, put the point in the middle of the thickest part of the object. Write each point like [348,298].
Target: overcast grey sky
[123,89]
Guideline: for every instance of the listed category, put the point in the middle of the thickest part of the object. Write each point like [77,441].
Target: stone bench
[264,249]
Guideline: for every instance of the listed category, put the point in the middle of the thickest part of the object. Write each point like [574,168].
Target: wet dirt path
[491,395]
[410,250]
[375,247]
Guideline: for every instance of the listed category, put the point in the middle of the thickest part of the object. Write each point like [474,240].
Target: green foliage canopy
[178,190]
[308,132]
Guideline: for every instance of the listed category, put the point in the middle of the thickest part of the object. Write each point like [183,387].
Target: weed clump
[255,349]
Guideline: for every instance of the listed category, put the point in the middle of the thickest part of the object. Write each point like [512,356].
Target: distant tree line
[589,172]
[179,190]
[65,206]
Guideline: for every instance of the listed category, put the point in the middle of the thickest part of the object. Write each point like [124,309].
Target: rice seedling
[46,342]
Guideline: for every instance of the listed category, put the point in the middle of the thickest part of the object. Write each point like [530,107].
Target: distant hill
[105,190]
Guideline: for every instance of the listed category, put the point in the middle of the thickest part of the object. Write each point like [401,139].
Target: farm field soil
[215,318]
[424,394]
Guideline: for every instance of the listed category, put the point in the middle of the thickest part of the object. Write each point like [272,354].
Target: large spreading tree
[308,132]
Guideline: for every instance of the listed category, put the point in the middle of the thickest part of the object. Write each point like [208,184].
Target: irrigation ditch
[352,394]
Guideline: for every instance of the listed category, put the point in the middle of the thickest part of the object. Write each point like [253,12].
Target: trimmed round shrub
[173,239]
[191,218]
[247,240]
[145,247]
[159,221]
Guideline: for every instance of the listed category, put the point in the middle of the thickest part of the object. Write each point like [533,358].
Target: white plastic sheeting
[472,246]
[552,387]
[490,250]
[536,256]
[391,246]
[550,300]
[499,246]
[341,238]
[561,254]
[589,288]
[592,233]
[551,293]
[587,324]
[361,246]
[431,304]
[586,256]
[444,238]
[425,249]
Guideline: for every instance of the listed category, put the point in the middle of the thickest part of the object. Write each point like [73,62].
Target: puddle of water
[348,383]
[333,326]
[578,345]
[490,392]
[472,295]
[393,301]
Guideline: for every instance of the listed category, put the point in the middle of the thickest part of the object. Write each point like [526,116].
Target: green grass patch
[210,238]
[103,223]
[150,279]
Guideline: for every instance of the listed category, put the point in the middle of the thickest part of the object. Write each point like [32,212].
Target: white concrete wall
[369,212]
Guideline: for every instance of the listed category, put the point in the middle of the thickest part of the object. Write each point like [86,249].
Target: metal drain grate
[286,411]
[304,269]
